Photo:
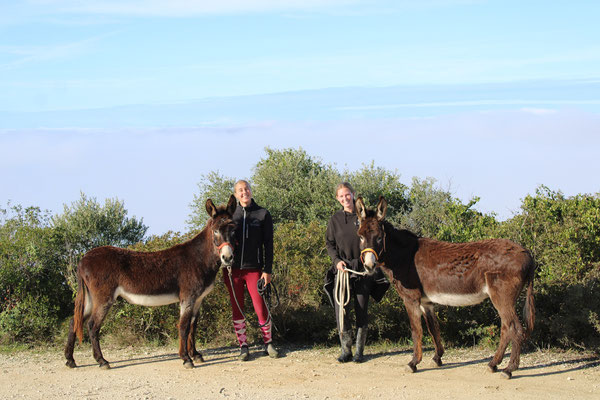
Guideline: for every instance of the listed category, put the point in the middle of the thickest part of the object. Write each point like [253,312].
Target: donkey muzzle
[226,253]
[369,258]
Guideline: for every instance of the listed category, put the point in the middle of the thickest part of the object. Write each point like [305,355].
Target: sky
[138,100]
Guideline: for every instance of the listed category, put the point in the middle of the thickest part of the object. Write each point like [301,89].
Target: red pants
[247,278]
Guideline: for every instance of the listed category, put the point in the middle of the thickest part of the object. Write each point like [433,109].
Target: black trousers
[360,288]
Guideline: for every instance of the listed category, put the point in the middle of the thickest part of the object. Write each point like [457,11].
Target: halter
[370,250]
[223,245]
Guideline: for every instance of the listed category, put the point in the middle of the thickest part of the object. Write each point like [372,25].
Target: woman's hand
[341,266]
[266,277]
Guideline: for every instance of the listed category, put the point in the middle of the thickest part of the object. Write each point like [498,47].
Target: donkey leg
[191,342]
[434,330]
[94,325]
[70,346]
[414,316]
[499,355]
[185,319]
[503,297]
[516,333]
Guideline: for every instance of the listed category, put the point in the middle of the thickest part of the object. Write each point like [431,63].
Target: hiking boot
[244,353]
[271,350]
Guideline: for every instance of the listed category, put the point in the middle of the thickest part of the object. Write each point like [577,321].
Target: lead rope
[265,293]
[261,295]
[341,292]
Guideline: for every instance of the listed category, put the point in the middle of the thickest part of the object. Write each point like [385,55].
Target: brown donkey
[426,271]
[184,273]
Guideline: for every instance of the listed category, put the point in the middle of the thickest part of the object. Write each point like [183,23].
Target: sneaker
[271,351]
[244,353]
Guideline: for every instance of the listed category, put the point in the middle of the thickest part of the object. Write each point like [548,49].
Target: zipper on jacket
[244,235]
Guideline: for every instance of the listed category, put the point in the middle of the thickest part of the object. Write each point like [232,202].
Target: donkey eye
[379,240]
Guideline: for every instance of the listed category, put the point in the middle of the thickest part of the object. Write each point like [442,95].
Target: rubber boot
[361,338]
[346,343]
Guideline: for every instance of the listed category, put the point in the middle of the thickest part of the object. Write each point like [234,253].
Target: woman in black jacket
[253,260]
[343,249]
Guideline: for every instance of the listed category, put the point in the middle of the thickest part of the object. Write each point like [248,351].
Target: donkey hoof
[71,364]
[188,365]
[437,362]
[105,365]
[198,358]
[492,368]
[506,374]
[410,368]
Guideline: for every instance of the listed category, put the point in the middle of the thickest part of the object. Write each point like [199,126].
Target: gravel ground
[158,373]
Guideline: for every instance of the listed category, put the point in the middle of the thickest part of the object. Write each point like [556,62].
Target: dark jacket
[342,241]
[254,236]
[343,244]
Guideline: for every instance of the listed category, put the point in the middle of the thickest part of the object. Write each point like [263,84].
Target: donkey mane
[403,237]
[221,210]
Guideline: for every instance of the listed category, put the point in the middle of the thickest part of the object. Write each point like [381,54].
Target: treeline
[39,253]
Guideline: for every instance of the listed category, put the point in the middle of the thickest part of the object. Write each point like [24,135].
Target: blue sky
[138,99]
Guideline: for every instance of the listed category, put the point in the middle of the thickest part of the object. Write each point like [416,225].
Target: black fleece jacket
[343,244]
[254,235]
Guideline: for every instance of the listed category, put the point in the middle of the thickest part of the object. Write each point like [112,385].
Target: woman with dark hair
[343,248]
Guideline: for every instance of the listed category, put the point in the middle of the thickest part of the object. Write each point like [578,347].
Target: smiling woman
[342,244]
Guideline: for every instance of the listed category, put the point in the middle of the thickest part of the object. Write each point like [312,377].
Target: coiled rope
[341,292]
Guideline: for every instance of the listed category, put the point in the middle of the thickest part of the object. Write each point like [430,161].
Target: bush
[38,254]
[567,314]
[33,319]
[562,233]
[300,263]
[33,290]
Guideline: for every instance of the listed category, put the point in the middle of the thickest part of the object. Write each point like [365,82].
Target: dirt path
[157,373]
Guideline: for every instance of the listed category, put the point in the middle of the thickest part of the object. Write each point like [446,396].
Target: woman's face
[346,199]
[243,194]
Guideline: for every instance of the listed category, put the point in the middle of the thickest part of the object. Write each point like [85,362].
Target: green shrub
[30,320]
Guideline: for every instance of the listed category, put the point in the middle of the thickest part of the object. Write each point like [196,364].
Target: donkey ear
[381,208]
[360,208]
[231,205]
[210,208]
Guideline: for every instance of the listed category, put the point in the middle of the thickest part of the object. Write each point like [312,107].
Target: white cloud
[474,103]
[34,54]
[498,156]
[538,111]
[183,8]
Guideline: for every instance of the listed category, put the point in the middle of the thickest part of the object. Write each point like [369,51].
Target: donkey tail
[79,308]
[529,307]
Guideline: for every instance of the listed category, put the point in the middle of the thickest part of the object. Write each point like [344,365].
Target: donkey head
[223,228]
[371,232]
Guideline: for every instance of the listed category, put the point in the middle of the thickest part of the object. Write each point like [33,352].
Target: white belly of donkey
[454,299]
[146,299]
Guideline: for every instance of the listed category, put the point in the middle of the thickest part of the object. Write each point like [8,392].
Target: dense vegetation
[39,252]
